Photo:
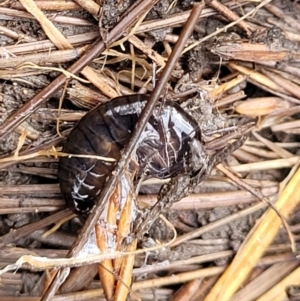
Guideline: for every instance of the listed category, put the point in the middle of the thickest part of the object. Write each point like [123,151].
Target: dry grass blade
[187,291]
[277,149]
[288,85]
[36,263]
[42,59]
[265,281]
[110,234]
[91,6]
[99,82]
[256,76]
[250,52]
[257,242]
[50,5]
[266,165]
[45,45]
[278,292]
[52,32]
[153,55]
[230,15]
[225,28]
[219,223]
[261,106]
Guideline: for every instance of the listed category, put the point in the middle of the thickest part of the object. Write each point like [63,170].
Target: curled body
[163,149]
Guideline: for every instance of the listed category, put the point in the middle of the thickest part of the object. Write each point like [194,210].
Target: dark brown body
[162,150]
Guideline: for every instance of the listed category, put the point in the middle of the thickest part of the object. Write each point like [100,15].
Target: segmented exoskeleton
[163,149]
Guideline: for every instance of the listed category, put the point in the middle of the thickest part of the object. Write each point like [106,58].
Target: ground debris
[231,72]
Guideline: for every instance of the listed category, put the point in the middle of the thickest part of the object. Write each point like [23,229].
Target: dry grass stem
[246,258]
[53,5]
[99,82]
[53,57]
[52,32]
[90,6]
